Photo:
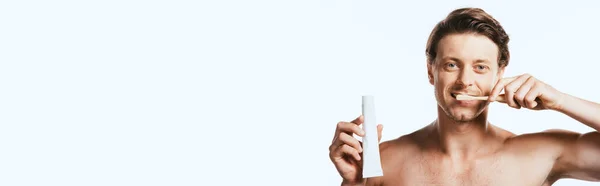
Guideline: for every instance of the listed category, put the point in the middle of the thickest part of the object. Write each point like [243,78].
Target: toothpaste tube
[371,159]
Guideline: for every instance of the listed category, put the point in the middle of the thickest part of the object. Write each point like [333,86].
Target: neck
[462,139]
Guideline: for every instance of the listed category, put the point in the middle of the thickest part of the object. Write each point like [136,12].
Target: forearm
[584,111]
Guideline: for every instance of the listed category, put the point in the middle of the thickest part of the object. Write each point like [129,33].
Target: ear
[430,72]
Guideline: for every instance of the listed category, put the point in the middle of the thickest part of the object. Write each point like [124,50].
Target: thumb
[379,131]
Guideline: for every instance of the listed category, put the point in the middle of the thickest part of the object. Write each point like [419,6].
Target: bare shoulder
[404,146]
[573,154]
[403,142]
[551,142]
[547,137]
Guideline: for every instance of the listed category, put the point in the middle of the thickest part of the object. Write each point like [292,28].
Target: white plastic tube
[371,159]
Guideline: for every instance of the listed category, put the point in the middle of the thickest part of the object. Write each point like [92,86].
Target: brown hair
[470,20]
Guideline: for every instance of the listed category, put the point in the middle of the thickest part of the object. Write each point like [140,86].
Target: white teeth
[456,94]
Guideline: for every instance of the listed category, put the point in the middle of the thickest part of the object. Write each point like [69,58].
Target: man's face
[465,64]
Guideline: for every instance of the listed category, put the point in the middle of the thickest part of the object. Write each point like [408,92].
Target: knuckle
[520,95]
[532,78]
[344,147]
[543,85]
[343,126]
[347,148]
[508,88]
[529,98]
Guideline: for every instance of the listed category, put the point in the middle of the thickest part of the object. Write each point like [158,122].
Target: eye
[450,65]
[481,68]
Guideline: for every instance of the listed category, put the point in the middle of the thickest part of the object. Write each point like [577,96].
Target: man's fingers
[346,149]
[523,90]
[499,87]
[350,128]
[379,132]
[510,100]
[510,79]
[349,140]
[358,120]
[530,97]
[496,91]
[511,88]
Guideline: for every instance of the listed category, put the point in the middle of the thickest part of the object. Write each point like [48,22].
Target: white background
[243,92]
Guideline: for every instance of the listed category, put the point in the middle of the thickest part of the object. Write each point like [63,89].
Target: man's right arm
[345,151]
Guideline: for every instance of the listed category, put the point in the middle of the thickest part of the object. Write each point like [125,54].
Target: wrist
[562,102]
[352,183]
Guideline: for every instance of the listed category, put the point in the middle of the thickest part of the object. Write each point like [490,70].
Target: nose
[466,78]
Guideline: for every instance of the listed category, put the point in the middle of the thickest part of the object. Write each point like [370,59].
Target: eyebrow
[458,60]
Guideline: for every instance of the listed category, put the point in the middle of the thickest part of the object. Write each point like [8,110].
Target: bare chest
[499,170]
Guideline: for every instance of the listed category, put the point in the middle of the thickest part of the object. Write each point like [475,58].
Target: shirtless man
[467,54]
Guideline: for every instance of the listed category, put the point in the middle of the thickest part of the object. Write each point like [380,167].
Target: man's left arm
[580,154]
[580,157]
